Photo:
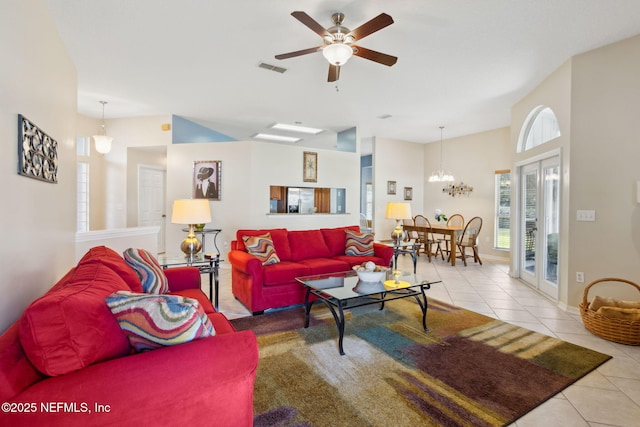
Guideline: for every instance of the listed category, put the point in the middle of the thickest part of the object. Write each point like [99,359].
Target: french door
[540,224]
[151,205]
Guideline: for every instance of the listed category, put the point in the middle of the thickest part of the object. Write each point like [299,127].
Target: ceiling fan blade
[298,52]
[371,26]
[372,55]
[311,23]
[334,73]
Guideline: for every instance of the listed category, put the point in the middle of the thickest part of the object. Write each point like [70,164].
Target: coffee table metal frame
[336,291]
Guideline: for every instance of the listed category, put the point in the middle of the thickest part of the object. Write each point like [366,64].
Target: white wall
[38,219]
[402,162]
[605,149]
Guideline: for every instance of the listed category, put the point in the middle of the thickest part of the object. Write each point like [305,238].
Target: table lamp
[398,211]
[191,212]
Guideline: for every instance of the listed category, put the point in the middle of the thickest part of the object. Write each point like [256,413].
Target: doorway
[539,224]
[151,205]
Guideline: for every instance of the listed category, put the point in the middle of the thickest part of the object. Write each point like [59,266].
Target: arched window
[541,126]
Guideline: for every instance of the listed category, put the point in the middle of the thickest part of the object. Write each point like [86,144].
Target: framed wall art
[207,179]
[37,152]
[408,193]
[391,187]
[310,166]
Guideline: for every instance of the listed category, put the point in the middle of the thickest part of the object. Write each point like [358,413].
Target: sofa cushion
[325,265]
[154,321]
[306,244]
[358,260]
[335,238]
[358,244]
[148,268]
[16,372]
[197,295]
[110,258]
[278,237]
[261,247]
[71,327]
[284,272]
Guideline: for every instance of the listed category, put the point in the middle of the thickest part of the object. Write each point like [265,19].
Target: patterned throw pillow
[262,248]
[358,244]
[154,321]
[153,279]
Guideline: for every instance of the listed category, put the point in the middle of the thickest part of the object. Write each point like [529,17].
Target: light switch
[586,215]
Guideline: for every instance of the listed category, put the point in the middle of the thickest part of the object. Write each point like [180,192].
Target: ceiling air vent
[272,67]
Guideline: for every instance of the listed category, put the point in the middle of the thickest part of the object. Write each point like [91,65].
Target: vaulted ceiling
[461,64]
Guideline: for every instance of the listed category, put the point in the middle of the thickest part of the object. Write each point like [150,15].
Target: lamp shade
[191,211]
[103,143]
[398,210]
[337,53]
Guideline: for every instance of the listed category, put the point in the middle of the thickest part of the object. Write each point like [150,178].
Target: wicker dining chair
[456,220]
[469,239]
[410,235]
[426,238]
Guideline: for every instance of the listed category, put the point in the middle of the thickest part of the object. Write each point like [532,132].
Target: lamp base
[191,246]
[398,233]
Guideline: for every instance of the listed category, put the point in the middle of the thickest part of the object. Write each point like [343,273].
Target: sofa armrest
[383,251]
[181,278]
[245,262]
[186,384]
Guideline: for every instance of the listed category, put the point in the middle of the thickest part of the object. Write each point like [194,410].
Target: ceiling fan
[338,41]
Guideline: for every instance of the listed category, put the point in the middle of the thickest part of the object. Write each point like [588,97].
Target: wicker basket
[617,330]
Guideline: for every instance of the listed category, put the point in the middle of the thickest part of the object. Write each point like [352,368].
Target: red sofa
[92,376]
[302,253]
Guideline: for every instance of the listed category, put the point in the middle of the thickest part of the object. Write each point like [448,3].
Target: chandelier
[103,142]
[441,175]
[461,189]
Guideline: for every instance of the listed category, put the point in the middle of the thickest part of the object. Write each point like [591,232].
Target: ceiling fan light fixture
[337,53]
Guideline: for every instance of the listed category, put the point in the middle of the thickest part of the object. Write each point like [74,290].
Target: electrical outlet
[579,277]
[586,215]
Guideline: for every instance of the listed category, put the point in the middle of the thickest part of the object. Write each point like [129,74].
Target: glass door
[540,225]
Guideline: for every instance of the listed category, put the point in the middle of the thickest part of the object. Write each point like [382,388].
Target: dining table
[447,230]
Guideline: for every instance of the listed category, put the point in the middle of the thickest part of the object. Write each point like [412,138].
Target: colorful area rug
[468,370]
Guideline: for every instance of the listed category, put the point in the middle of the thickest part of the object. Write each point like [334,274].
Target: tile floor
[609,396]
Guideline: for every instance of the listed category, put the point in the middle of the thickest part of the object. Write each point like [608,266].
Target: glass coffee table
[341,291]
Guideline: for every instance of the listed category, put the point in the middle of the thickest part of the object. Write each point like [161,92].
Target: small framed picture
[391,187]
[408,193]
[207,179]
[310,166]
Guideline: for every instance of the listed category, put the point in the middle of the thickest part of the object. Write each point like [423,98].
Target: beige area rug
[468,370]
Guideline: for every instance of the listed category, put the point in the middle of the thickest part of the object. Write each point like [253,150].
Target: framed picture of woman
[207,179]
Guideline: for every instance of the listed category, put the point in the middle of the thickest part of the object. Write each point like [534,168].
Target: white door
[540,224]
[151,183]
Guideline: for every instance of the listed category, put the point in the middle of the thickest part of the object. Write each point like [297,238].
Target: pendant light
[103,142]
[441,175]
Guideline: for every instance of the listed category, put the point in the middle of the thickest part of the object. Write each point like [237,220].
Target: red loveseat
[66,362]
[301,253]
